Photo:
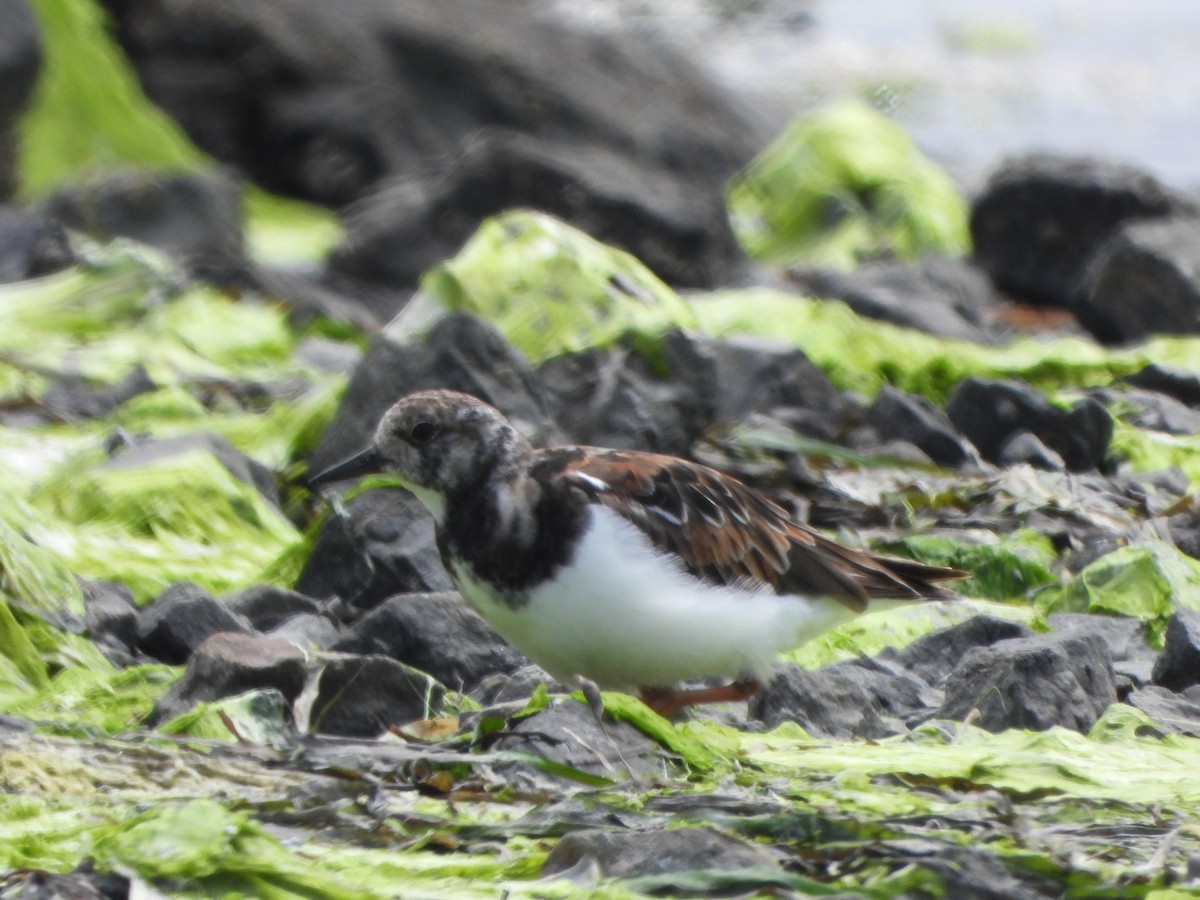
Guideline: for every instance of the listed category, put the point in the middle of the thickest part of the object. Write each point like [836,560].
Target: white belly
[618,616]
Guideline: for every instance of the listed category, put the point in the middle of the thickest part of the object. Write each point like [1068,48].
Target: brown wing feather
[727,533]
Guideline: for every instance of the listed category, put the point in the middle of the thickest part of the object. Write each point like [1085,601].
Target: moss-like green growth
[181,518]
[842,185]
[1148,582]
[549,288]
[1005,567]
[863,354]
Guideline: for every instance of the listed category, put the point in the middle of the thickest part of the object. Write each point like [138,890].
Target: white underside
[620,617]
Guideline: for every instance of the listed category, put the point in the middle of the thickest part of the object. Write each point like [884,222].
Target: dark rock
[1034,683]
[110,615]
[1040,219]
[362,696]
[314,293]
[991,413]
[610,398]
[1178,666]
[240,466]
[1175,713]
[1184,530]
[194,218]
[843,700]
[406,227]
[514,686]
[1145,280]
[1024,449]
[1152,411]
[1125,637]
[567,732]
[307,631]
[73,397]
[82,884]
[933,656]
[381,545]
[228,664]
[1183,385]
[1131,675]
[266,606]
[623,854]
[20,62]
[31,245]
[180,619]
[436,633]
[935,294]
[737,377]
[970,873]
[321,102]
[461,353]
[900,416]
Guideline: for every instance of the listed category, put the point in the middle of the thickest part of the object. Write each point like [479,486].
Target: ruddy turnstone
[632,570]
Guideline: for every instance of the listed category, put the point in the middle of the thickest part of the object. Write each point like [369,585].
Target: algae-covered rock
[842,185]
[1147,581]
[549,288]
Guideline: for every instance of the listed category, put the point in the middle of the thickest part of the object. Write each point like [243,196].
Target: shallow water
[972,80]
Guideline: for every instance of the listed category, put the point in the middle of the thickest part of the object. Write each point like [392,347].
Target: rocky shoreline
[557,221]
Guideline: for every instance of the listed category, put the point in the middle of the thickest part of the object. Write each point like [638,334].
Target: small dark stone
[461,353]
[31,244]
[935,294]
[737,377]
[228,664]
[1152,411]
[1145,280]
[382,546]
[307,631]
[110,614]
[933,656]
[72,397]
[843,700]
[1024,448]
[195,218]
[436,633]
[362,696]
[897,415]
[567,732]
[1183,385]
[1035,683]
[609,398]
[180,619]
[1126,638]
[1178,666]
[240,466]
[1175,713]
[266,606]
[514,686]
[1040,219]
[991,413]
[623,854]
[1184,529]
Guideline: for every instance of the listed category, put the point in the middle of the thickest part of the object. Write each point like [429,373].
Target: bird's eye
[423,432]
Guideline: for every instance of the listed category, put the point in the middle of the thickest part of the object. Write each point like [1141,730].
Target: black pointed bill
[367,462]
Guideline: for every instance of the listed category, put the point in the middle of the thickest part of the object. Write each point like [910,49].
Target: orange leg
[666,702]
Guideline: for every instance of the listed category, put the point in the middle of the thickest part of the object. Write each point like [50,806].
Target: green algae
[863,354]
[841,185]
[1147,582]
[181,518]
[1002,567]
[549,288]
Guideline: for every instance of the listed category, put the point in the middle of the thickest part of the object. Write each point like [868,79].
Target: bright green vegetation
[842,185]
[194,812]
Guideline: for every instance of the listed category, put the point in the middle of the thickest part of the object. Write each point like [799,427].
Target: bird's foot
[667,701]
